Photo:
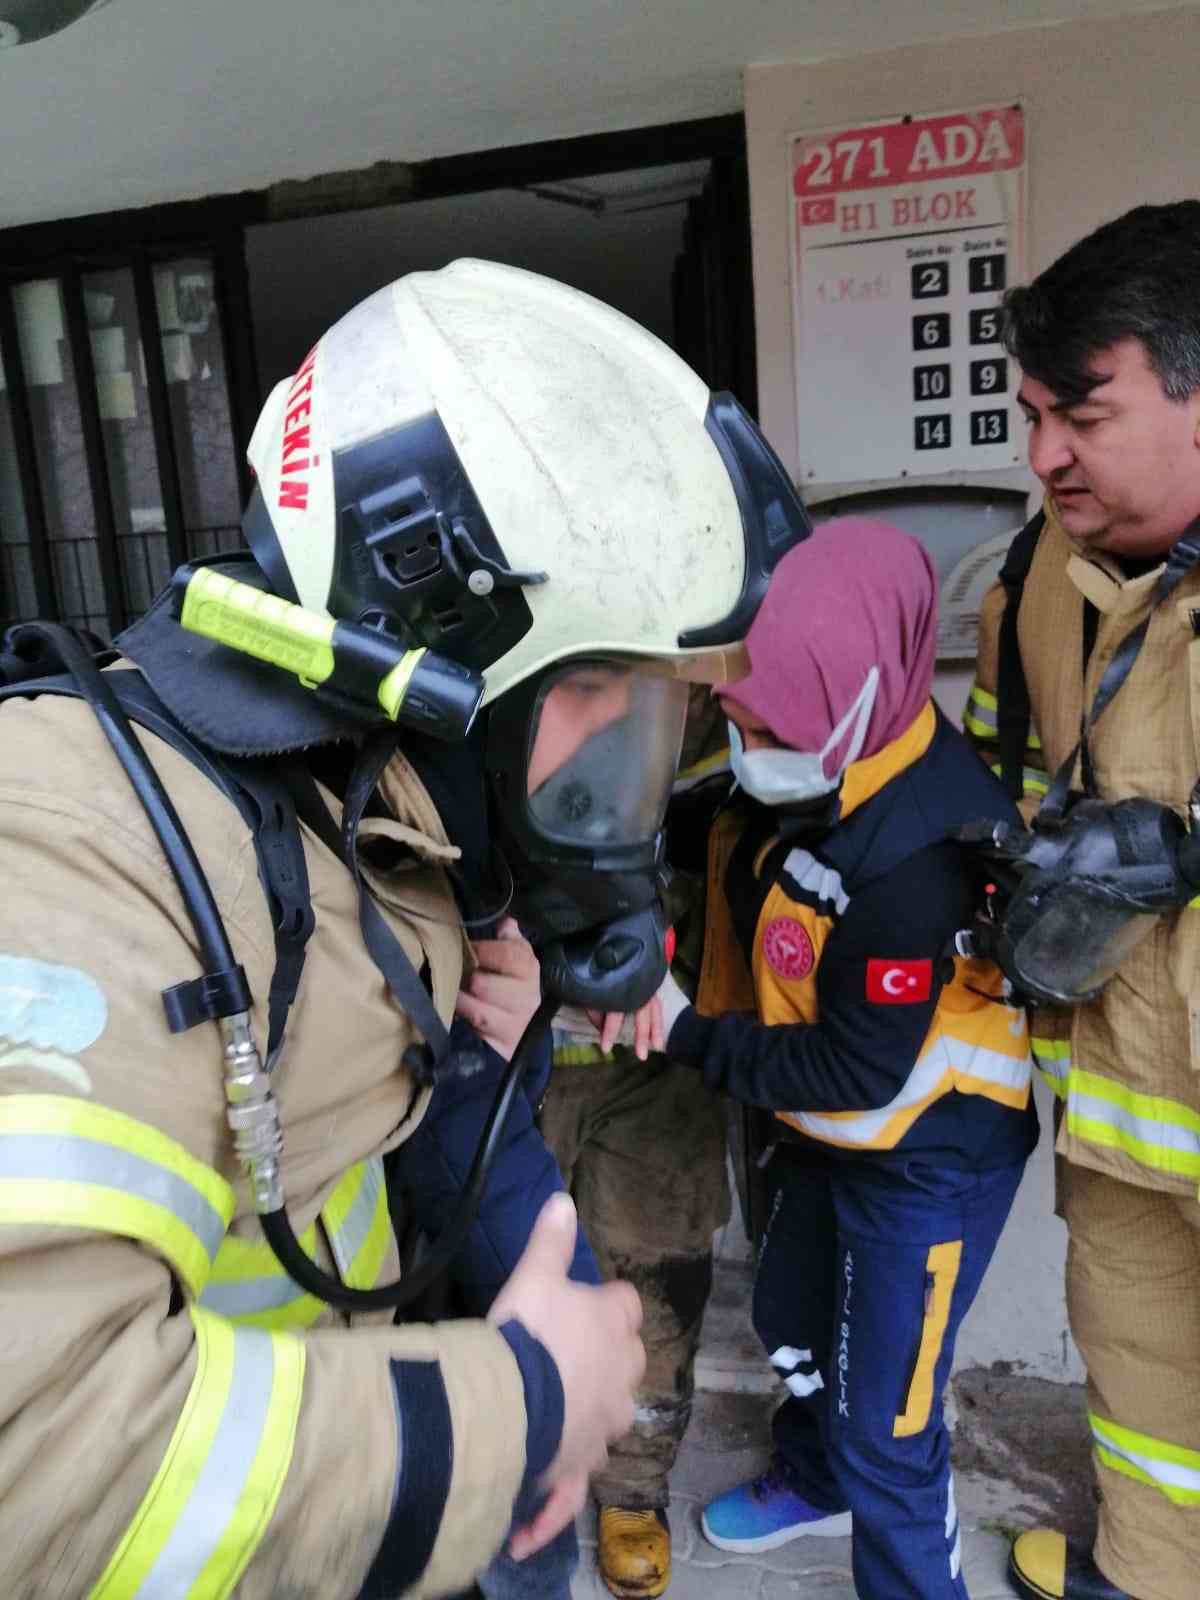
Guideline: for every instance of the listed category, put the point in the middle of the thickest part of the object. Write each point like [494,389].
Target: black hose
[218,957]
[215,949]
[277,1229]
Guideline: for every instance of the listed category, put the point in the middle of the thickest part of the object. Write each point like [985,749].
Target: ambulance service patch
[788,948]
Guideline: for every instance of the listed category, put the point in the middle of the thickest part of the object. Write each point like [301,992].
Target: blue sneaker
[767,1512]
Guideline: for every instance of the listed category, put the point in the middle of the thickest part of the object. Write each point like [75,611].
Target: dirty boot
[634,1551]
[1043,1566]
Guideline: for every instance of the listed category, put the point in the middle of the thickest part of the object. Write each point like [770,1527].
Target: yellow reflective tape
[240,1260]
[68,1163]
[983,697]
[337,1208]
[579,1055]
[27,1201]
[1172,1469]
[981,730]
[942,1264]
[61,1113]
[250,1288]
[257,1502]
[217,1486]
[1052,1057]
[365,1270]
[173,1483]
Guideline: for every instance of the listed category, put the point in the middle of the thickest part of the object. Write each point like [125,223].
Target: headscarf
[856,594]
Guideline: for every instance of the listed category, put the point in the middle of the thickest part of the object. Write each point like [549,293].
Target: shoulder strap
[259,790]
[1012,691]
[272,793]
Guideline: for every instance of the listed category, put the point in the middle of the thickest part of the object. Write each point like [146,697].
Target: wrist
[544,1401]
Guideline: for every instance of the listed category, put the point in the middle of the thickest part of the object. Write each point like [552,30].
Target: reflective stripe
[1169,1468]
[947,1063]
[249,1286]
[571,1053]
[1053,1060]
[979,717]
[1033,779]
[205,1513]
[786,1360]
[68,1163]
[816,879]
[953,1527]
[357,1224]
[804,1383]
[1157,1132]
[942,1265]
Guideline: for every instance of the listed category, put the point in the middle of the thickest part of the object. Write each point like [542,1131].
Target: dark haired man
[1098,621]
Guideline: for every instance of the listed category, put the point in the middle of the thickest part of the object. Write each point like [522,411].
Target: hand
[674,1002]
[645,1028]
[591,1331]
[504,991]
[562,1505]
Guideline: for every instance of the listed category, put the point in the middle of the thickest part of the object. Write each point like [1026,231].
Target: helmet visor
[604,740]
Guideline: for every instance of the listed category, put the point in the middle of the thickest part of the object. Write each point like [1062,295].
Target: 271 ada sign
[905,235]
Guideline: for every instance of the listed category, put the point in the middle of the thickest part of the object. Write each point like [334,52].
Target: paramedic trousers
[864,1278]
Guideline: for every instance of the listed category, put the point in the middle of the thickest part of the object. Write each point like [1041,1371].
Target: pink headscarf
[856,594]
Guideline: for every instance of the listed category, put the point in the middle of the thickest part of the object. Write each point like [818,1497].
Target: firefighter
[642,1148]
[1095,626]
[225,981]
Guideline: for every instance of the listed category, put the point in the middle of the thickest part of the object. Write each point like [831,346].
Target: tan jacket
[1126,1066]
[135,1435]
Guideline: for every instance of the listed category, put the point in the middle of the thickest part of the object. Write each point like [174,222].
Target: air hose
[252,1112]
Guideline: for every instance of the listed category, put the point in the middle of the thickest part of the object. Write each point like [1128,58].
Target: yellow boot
[634,1551]
[1044,1566]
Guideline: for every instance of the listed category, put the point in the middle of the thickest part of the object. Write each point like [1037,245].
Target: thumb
[552,1243]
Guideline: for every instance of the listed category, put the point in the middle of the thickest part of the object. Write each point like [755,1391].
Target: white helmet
[503,469]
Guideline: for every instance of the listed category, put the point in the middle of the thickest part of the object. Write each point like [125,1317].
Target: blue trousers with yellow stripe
[864,1278]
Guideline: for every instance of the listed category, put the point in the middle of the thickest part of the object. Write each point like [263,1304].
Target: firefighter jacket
[1126,1066]
[871,1036]
[176,1417]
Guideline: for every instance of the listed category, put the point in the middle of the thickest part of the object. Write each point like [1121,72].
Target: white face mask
[790,777]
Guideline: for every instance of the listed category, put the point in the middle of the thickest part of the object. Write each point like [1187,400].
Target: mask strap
[864,704]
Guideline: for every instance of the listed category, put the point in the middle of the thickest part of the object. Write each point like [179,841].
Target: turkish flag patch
[899,983]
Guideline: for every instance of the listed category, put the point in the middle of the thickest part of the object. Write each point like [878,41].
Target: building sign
[906,234]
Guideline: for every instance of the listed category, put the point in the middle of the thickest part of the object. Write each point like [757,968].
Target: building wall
[1112,120]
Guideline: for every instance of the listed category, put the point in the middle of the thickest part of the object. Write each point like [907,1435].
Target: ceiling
[143,101]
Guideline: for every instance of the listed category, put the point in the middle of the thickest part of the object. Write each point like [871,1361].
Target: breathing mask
[1075,894]
[580,762]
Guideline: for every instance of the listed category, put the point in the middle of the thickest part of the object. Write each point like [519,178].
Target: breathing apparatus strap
[1013,712]
[271,793]
[1183,556]
[384,948]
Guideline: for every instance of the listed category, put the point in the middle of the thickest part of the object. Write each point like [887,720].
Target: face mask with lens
[580,761]
[795,777]
[1072,897]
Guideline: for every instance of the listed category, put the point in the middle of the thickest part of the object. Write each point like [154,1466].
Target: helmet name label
[294,458]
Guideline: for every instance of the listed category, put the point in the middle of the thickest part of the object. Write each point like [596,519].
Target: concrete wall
[1112,120]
